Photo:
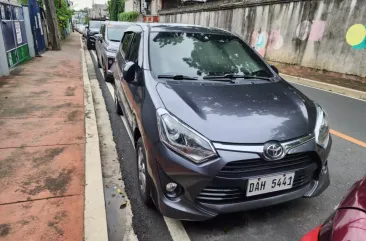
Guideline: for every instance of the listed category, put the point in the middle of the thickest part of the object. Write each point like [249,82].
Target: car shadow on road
[272,214]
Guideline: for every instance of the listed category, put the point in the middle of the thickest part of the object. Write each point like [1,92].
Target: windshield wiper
[235,76]
[176,77]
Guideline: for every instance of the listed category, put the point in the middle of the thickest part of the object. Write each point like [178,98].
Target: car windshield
[198,54]
[115,32]
[95,24]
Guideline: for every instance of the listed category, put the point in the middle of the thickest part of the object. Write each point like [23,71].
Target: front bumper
[202,197]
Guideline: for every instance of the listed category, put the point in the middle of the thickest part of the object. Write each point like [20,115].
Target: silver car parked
[107,43]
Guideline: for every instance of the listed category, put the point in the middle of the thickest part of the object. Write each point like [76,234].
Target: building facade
[98,11]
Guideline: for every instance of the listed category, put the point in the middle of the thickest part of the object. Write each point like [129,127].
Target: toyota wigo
[215,128]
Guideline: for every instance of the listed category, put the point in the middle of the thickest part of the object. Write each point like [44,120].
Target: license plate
[261,185]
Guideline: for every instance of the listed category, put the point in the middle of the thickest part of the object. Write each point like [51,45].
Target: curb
[324,86]
[95,220]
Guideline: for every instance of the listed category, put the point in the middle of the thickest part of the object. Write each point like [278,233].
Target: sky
[80,4]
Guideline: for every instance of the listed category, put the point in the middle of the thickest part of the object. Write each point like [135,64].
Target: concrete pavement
[42,145]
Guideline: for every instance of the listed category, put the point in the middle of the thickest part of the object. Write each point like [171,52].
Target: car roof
[117,23]
[178,27]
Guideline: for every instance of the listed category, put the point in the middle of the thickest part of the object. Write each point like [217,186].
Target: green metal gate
[13,29]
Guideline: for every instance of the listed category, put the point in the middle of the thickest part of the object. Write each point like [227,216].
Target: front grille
[230,185]
[259,166]
[221,195]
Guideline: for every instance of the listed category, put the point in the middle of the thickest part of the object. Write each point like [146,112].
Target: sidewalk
[42,145]
[332,78]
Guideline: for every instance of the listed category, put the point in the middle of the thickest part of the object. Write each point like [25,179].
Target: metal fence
[14,34]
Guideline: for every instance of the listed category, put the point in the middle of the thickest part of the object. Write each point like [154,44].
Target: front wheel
[106,77]
[117,106]
[88,45]
[144,179]
[99,66]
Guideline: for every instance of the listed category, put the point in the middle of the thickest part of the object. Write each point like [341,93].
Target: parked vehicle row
[80,28]
[106,45]
[215,128]
[92,29]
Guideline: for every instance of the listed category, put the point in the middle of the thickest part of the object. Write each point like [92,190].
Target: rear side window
[126,41]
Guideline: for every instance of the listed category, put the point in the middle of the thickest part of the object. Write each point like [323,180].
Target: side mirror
[129,71]
[98,36]
[275,69]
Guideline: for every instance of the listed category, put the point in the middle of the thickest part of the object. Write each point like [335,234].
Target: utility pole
[52,24]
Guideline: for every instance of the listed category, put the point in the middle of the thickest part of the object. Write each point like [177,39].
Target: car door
[129,93]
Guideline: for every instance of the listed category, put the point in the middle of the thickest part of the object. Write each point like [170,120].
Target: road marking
[176,229]
[111,89]
[348,138]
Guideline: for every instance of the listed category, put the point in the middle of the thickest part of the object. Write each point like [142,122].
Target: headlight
[183,139]
[321,127]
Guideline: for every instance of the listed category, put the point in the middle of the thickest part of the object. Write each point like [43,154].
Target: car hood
[94,30]
[249,113]
[356,197]
[113,45]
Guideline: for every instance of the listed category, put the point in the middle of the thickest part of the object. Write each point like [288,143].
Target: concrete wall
[329,34]
[134,5]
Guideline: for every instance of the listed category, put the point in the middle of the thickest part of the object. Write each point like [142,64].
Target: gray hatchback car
[107,43]
[215,128]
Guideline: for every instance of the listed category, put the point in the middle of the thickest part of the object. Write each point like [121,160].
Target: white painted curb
[95,220]
[324,86]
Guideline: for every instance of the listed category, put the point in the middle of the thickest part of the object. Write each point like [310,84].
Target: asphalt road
[285,222]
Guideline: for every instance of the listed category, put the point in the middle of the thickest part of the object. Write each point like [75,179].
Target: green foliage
[128,16]
[86,19]
[64,14]
[115,7]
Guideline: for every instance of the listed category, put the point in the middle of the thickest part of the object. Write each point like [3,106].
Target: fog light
[170,187]
[110,61]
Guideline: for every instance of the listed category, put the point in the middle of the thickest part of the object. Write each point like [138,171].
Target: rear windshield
[115,32]
[95,24]
[197,54]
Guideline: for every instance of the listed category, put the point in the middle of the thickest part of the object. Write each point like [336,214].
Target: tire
[143,175]
[88,45]
[117,106]
[106,77]
[99,66]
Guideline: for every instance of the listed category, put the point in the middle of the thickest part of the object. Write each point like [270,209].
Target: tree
[52,24]
[115,7]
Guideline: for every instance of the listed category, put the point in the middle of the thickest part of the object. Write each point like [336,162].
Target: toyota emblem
[273,151]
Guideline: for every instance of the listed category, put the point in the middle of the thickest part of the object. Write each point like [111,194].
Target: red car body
[348,222]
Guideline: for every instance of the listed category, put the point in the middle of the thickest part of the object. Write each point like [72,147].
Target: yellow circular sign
[356,34]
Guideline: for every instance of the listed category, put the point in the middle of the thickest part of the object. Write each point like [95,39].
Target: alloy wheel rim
[142,171]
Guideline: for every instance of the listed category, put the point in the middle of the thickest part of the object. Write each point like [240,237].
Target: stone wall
[329,34]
